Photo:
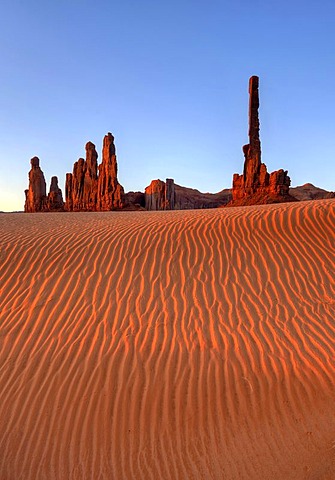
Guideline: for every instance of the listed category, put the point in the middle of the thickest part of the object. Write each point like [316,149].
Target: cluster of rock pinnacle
[93,187]
[89,188]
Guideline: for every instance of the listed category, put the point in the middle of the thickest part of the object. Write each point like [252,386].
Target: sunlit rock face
[110,192]
[93,188]
[81,186]
[55,201]
[36,198]
[155,195]
[256,185]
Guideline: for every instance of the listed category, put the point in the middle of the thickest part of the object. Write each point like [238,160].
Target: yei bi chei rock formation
[93,188]
[88,188]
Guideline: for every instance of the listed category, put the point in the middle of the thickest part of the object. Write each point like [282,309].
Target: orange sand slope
[168,345]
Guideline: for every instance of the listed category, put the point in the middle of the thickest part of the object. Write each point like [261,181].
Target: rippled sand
[168,345]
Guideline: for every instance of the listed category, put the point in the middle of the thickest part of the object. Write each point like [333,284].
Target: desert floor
[168,345]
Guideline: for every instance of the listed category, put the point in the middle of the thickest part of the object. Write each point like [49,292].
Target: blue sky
[170,81]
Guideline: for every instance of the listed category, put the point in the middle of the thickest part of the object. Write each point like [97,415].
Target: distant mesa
[93,187]
[168,195]
[160,195]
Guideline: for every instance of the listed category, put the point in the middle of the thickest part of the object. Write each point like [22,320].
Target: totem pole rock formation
[256,185]
[36,199]
[110,192]
[252,151]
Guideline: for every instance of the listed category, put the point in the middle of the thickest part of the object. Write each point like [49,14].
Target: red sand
[168,345]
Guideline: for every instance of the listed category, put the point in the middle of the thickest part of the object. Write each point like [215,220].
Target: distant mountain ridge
[308,191]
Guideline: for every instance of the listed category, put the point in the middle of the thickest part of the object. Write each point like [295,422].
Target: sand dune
[168,345]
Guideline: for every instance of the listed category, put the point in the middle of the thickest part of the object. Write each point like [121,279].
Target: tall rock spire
[110,192]
[81,186]
[256,185]
[55,197]
[36,199]
[254,141]
[252,151]
[90,190]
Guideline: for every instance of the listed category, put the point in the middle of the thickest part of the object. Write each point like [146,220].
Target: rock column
[256,185]
[110,192]
[90,189]
[170,195]
[81,187]
[252,151]
[55,198]
[36,199]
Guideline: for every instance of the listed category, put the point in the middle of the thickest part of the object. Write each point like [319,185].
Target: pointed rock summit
[256,185]
[90,189]
[252,151]
[81,186]
[93,188]
[110,192]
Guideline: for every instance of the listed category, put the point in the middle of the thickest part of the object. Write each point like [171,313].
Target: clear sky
[169,79]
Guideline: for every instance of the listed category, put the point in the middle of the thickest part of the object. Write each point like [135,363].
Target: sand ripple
[168,345]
